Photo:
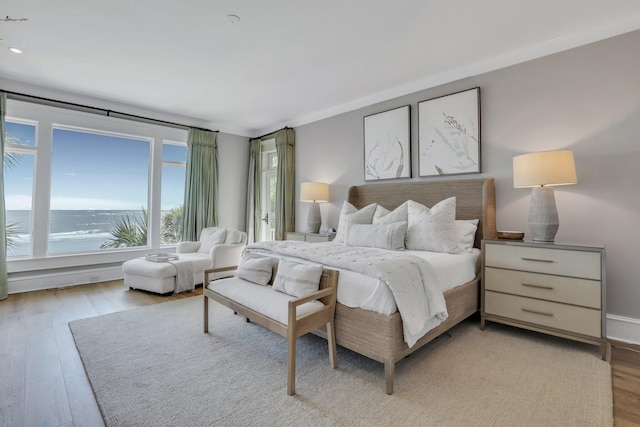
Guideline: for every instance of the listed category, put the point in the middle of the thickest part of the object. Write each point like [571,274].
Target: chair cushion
[262,299]
[233,237]
[211,236]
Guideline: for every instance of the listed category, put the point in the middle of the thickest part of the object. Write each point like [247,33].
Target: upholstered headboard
[475,199]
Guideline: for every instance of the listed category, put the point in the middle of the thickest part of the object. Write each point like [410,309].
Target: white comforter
[412,280]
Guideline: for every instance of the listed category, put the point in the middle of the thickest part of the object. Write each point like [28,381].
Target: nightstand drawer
[579,320]
[570,290]
[582,264]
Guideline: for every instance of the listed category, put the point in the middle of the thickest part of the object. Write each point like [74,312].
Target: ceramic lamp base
[543,215]
[314,219]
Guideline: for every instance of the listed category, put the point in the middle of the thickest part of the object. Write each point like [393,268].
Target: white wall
[585,99]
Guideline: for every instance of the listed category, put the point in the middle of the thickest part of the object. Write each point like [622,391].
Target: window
[79,183]
[99,191]
[19,164]
[174,161]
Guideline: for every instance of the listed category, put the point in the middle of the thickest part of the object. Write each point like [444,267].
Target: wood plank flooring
[43,383]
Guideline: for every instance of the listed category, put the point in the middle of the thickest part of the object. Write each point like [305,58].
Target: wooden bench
[288,316]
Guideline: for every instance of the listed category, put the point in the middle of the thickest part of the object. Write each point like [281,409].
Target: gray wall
[233,166]
[585,99]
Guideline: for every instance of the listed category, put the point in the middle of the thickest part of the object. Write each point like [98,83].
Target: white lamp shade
[314,192]
[545,168]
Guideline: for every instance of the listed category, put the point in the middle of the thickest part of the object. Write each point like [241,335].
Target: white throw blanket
[184,276]
[412,280]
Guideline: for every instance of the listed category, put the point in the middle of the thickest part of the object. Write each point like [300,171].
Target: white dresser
[550,288]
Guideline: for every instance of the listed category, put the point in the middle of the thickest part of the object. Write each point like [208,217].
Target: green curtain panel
[201,184]
[254,188]
[4,282]
[285,190]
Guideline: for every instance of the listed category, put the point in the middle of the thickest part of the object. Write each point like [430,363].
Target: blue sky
[90,171]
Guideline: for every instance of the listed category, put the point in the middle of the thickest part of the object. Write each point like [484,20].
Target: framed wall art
[387,144]
[449,134]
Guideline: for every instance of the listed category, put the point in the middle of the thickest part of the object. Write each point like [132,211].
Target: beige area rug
[155,367]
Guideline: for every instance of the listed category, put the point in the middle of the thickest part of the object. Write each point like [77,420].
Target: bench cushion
[262,299]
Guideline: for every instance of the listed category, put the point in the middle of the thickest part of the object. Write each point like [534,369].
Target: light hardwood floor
[43,383]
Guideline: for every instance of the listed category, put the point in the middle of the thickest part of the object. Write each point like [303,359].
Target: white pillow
[350,215]
[433,229]
[233,237]
[466,232]
[211,236]
[297,279]
[383,236]
[255,269]
[384,216]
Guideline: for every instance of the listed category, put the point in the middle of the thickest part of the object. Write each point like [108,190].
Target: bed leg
[206,315]
[389,368]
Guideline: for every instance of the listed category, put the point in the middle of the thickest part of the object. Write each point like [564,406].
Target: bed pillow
[350,215]
[466,232]
[255,269]
[211,236]
[432,229]
[297,279]
[385,216]
[383,236]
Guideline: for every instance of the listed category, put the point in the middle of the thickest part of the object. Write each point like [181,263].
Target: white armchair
[217,247]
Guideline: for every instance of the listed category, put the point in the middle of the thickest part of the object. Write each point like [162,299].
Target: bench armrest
[311,297]
[216,270]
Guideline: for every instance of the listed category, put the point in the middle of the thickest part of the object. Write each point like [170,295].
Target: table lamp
[540,171]
[314,193]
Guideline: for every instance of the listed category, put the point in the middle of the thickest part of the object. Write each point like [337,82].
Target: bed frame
[379,336]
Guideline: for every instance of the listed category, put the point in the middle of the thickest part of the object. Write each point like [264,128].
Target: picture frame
[387,144]
[449,134]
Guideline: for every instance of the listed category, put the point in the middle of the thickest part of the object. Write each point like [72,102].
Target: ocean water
[69,230]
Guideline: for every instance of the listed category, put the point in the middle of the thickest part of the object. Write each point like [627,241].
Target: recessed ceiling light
[233,19]
[15,50]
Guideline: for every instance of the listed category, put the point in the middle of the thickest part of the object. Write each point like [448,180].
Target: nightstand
[310,237]
[550,288]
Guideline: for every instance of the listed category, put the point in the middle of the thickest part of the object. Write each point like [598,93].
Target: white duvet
[415,285]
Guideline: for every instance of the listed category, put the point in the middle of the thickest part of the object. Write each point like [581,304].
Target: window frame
[47,117]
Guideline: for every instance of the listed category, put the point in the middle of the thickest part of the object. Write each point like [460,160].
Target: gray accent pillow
[255,269]
[383,236]
[297,279]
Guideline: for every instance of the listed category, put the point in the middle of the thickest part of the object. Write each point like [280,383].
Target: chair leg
[206,315]
[331,339]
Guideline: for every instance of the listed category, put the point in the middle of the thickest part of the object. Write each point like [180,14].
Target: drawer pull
[537,312]
[537,286]
[537,260]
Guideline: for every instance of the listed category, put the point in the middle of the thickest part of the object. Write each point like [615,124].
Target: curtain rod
[96,110]
[271,134]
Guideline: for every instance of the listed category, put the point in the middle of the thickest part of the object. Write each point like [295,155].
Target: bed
[380,336]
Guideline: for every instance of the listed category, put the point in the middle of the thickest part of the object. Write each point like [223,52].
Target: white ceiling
[287,62]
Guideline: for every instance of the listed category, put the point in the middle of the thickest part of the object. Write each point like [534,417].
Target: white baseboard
[37,282]
[626,329]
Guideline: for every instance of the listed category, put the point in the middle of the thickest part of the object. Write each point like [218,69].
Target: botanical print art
[449,134]
[387,145]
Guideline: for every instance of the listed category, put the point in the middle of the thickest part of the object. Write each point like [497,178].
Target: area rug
[154,366]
